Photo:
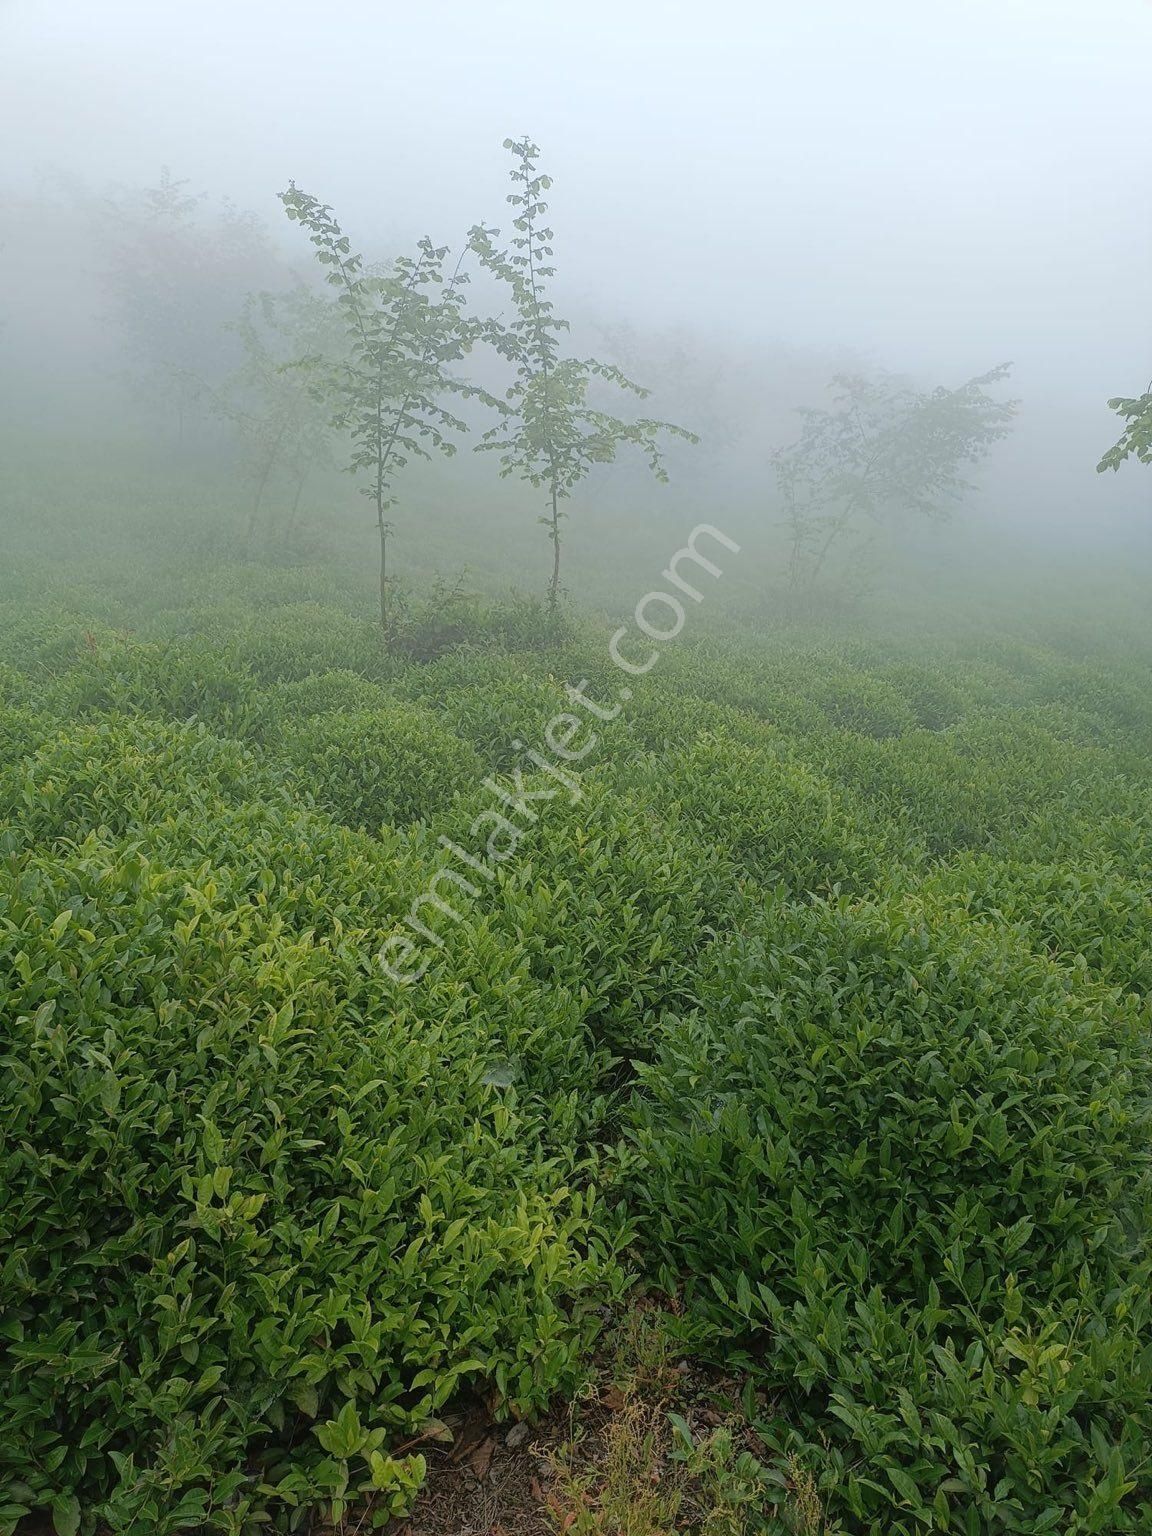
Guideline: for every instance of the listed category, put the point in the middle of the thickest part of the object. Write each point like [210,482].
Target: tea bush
[255,1220]
[21,731]
[125,774]
[772,816]
[320,693]
[1091,916]
[297,640]
[821,998]
[902,1164]
[371,766]
[189,681]
[639,886]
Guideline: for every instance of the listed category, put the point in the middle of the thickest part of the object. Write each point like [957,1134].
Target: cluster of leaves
[371,766]
[405,327]
[306,1214]
[1136,414]
[828,997]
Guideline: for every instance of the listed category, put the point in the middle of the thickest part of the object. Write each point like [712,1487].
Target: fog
[765,194]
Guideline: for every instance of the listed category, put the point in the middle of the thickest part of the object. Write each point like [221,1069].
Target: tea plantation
[815,998]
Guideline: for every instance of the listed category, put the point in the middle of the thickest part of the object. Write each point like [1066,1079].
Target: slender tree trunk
[554,535]
[834,533]
[295,512]
[269,465]
[383,576]
[542,351]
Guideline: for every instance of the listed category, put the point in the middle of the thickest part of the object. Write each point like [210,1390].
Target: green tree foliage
[405,326]
[885,451]
[551,434]
[1136,438]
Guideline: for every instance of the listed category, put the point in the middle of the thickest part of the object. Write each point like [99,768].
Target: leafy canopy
[885,450]
[550,432]
[1136,438]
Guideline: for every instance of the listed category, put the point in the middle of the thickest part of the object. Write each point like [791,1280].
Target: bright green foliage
[21,730]
[120,674]
[122,775]
[321,693]
[1137,435]
[826,1000]
[277,1217]
[551,433]
[899,1162]
[295,641]
[380,765]
[775,820]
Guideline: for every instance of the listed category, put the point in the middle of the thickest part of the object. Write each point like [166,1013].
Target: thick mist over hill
[741,213]
[575,768]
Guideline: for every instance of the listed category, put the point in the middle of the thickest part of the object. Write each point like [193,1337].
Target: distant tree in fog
[177,274]
[1137,435]
[884,451]
[549,433]
[284,423]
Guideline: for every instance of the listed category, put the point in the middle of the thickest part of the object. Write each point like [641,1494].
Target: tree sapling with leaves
[885,450]
[271,402]
[549,434]
[404,327]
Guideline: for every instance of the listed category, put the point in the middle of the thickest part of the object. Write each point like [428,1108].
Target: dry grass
[652,1447]
[655,1450]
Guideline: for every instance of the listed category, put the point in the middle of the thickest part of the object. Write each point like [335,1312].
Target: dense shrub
[770,814]
[322,693]
[374,766]
[637,886]
[490,702]
[21,731]
[1091,916]
[903,1164]
[836,974]
[15,688]
[125,774]
[256,1224]
[294,640]
[189,681]
[988,781]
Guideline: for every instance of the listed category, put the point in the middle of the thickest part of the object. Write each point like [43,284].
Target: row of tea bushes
[823,1006]
[900,1165]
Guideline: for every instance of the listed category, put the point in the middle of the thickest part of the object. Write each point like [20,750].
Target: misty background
[747,200]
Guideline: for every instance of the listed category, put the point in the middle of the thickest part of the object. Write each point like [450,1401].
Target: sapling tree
[404,326]
[1136,439]
[550,434]
[271,401]
[885,451]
